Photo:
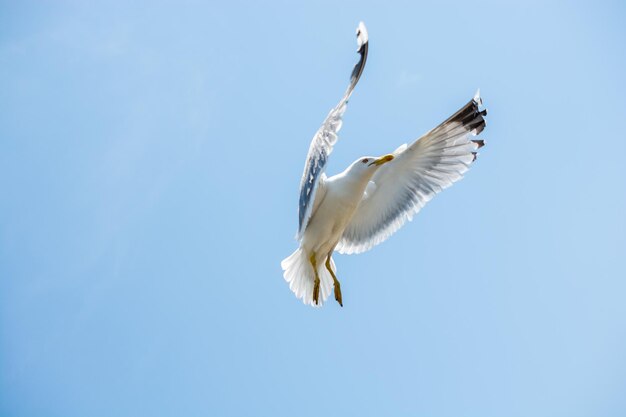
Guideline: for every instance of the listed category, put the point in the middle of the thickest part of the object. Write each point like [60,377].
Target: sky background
[150,157]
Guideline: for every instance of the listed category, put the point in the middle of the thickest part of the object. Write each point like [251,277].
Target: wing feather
[418,172]
[325,139]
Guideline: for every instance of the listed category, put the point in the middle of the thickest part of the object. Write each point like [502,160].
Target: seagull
[363,206]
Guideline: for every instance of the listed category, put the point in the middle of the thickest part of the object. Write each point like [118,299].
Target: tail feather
[299,274]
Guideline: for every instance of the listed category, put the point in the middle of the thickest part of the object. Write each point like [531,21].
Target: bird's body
[334,206]
[361,207]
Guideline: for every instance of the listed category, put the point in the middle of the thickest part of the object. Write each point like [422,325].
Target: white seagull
[361,207]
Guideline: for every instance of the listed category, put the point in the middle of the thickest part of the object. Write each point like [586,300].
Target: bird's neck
[351,185]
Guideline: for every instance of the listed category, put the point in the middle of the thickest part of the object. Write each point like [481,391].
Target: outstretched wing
[325,138]
[400,188]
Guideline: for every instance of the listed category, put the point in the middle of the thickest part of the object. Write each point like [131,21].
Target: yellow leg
[337,285]
[316,284]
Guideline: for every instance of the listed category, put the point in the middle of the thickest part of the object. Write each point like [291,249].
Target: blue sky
[150,156]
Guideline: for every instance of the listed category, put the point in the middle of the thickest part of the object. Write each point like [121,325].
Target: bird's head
[367,165]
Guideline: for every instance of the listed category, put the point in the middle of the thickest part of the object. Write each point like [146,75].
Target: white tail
[298,272]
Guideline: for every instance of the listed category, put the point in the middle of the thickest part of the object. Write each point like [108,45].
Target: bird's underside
[363,206]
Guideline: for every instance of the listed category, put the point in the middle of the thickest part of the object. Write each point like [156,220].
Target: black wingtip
[358,68]
[479,142]
[362,39]
[471,116]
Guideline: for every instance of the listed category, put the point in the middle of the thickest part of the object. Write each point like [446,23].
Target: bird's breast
[330,219]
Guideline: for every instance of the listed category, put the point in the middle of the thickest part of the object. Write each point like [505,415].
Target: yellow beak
[382,160]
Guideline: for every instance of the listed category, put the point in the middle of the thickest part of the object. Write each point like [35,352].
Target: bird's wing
[325,138]
[401,187]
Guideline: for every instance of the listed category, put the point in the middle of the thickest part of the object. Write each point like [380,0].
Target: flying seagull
[355,210]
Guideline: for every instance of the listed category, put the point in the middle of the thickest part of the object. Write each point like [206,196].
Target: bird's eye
[365,160]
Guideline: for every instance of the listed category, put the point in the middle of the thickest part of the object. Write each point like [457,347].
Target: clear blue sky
[150,156]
